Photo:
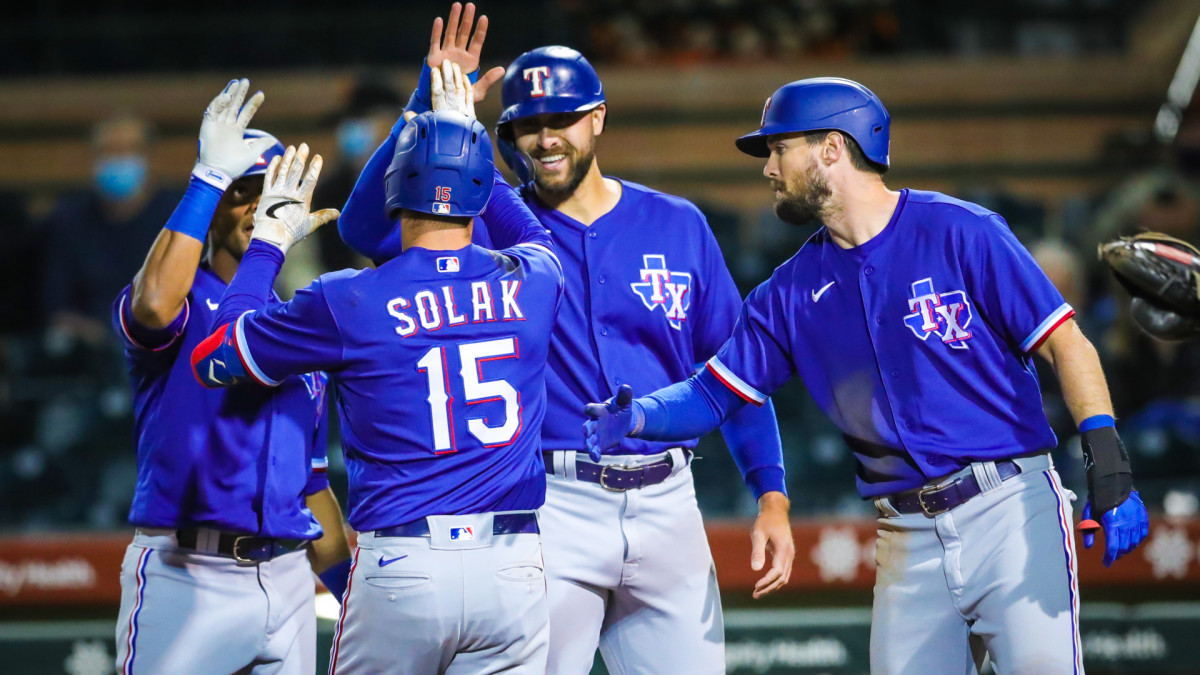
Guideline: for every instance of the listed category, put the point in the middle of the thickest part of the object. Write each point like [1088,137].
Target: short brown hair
[857,159]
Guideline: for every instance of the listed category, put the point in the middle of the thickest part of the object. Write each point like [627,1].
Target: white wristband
[214,177]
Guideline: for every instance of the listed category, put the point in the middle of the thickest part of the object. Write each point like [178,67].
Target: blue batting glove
[608,422]
[1124,527]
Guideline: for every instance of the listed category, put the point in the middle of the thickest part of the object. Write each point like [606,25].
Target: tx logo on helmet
[946,315]
[536,76]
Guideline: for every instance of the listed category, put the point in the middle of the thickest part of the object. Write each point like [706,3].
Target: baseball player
[218,578]
[647,298]
[913,318]
[438,356]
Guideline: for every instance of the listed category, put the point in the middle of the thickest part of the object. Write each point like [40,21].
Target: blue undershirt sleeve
[686,410]
[752,435]
[251,286]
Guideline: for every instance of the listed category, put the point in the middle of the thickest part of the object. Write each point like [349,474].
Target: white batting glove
[224,155]
[283,217]
[451,90]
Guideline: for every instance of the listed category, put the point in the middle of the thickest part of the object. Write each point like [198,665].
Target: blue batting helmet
[821,103]
[443,165]
[545,80]
[264,160]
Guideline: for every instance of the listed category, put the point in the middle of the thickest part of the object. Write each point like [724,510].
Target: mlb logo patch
[447,264]
[462,534]
[441,209]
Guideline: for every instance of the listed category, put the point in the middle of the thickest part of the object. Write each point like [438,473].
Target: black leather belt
[937,499]
[502,523]
[617,478]
[243,548]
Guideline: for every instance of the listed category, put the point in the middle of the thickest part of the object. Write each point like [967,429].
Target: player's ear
[599,117]
[833,147]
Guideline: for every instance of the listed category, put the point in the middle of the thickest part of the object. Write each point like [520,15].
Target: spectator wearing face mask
[98,237]
[371,109]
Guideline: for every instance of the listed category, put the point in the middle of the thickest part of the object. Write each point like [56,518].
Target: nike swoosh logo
[816,295]
[211,305]
[384,562]
[275,207]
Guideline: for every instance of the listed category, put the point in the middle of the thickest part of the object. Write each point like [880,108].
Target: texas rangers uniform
[647,298]
[438,357]
[216,579]
[918,345]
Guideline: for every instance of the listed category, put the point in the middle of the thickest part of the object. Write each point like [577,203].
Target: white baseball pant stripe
[995,575]
[184,612]
[630,572]
[445,606]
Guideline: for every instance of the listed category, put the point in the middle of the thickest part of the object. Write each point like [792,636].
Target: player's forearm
[509,220]
[684,410]
[251,285]
[752,435]
[1077,366]
[332,547]
[166,277]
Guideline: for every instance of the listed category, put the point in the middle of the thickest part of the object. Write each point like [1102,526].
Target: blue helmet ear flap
[514,159]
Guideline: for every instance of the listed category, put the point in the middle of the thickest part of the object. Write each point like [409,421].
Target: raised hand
[223,154]
[451,90]
[283,217]
[452,40]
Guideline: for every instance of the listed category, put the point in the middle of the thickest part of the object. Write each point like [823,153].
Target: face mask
[356,138]
[121,176]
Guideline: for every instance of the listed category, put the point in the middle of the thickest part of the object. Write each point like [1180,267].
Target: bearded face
[801,197]
[562,149]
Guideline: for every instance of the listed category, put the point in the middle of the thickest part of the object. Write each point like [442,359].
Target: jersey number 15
[477,390]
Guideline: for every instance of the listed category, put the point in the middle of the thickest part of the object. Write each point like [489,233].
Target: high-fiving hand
[451,90]
[224,155]
[283,217]
[458,45]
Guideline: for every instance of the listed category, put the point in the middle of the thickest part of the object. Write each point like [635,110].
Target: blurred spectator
[371,109]
[20,268]
[99,236]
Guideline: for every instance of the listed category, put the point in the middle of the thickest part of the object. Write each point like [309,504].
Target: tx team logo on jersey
[660,287]
[316,383]
[535,76]
[947,315]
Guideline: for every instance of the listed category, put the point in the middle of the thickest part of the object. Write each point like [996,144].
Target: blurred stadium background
[1068,117]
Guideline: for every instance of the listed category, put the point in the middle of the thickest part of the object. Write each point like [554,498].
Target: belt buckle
[604,472]
[921,499]
[239,558]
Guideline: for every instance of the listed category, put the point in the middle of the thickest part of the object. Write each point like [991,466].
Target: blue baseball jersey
[439,359]
[648,299]
[240,460]
[916,344]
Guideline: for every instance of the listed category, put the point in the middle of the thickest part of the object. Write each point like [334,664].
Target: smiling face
[233,221]
[562,148]
[800,182]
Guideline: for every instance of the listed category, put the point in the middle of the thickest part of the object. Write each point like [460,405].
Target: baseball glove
[1163,275]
